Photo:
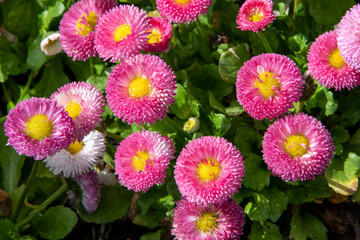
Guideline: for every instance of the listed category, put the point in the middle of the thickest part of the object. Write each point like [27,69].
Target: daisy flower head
[84,104]
[159,34]
[77,27]
[255,15]
[38,128]
[216,221]
[50,45]
[327,65]
[268,84]
[140,89]
[121,33]
[348,38]
[182,11]
[79,157]
[208,170]
[297,147]
[141,160]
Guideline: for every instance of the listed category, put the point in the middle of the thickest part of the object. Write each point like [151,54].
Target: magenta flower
[120,33]
[217,221]
[140,89]
[208,170]
[141,160]
[297,147]
[182,11]
[327,65]
[77,27]
[255,15]
[159,34]
[267,85]
[38,128]
[349,37]
[84,104]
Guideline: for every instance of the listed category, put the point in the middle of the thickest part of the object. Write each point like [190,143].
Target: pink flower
[140,89]
[120,33]
[349,36]
[208,170]
[141,160]
[267,85]
[84,104]
[182,11]
[297,147]
[159,35]
[217,221]
[255,15]
[77,27]
[38,128]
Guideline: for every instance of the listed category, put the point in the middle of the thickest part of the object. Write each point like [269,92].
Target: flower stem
[27,86]
[91,66]
[265,42]
[42,206]
[299,106]
[176,128]
[296,4]
[20,203]
[7,96]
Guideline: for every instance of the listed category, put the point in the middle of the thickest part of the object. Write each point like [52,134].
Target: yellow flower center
[86,23]
[207,222]
[267,84]
[122,32]
[296,145]
[75,147]
[335,59]
[182,2]
[139,87]
[140,160]
[39,127]
[190,124]
[255,16]
[74,109]
[208,170]
[154,36]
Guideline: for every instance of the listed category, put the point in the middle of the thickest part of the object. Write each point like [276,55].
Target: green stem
[176,128]
[20,203]
[91,66]
[114,136]
[27,86]
[299,106]
[202,29]
[7,96]
[265,42]
[42,206]
[296,4]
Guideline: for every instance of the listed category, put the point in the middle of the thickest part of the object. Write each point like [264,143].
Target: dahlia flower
[79,157]
[38,128]
[209,170]
[51,44]
[141,160]
[349,36]
[268,84]
[159,34]
[140,89]
[77,27]
[121,33]
[297,147]
[217,221]
[84,104]
[255,15]
[182,11]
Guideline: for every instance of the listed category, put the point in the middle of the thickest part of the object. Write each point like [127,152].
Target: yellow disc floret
[73,109]
[182,1]
[335,59]
[256,16]
[154,36]
[207,222]
[122,32]
[208,170]
[296,145]
[86,23]
[140,160]
[139,87]
[39,127]
[267,84]
[75,147]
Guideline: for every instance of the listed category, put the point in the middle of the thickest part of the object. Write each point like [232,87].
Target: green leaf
[56,223]
[36,58]
[354,142]
[257,46]
[48,15]
[156,197]
[235,109]
[152,235]
[331,104]
[180,108]
[151,219]
[305,226]
[231,61]
[221,124]
[329,12]
[248,140]
[98,81]
[278,201]
[114,204]
[8,230]
[267,230]
[215,103]
[352,166]
[258,208]
[256,177]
